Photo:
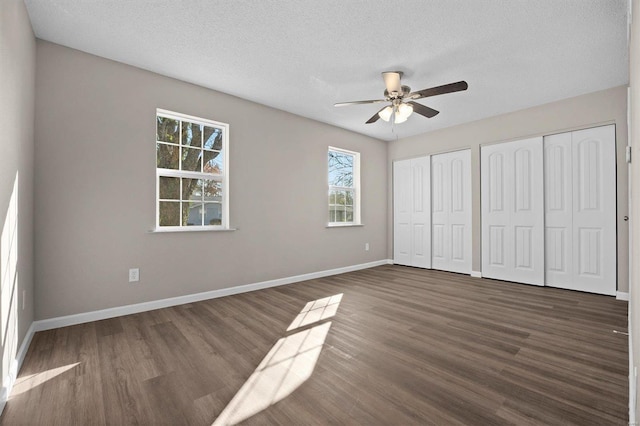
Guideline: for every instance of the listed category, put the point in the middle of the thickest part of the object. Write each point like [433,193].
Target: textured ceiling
[303,56]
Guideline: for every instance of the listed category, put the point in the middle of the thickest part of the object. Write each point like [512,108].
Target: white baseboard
[68,320]
[476,274]
[14,367]
[620,295]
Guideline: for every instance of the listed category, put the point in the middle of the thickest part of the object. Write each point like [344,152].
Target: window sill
[346,225]
[190,229]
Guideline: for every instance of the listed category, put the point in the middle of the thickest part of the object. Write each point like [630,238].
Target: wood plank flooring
[394,345]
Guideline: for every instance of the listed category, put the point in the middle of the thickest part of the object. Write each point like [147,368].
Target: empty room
[319,212]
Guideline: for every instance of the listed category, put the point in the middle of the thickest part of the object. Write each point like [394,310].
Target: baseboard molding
[620,295]
[14,367]
[68,320]
[476,274]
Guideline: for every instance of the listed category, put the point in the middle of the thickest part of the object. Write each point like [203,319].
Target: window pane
[191,158]
[349,198]
[213,138]
[191,189]
[167,130]
[169,188]
[340,197]
[191,134]
[332,213]
[213,214]
[332,197]
[191,214]
[339,215]
[167,156]
[349,214]
[340,169]
[213,162]
[169,213]
[212,190]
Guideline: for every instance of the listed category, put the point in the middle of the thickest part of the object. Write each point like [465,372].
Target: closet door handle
[626,218]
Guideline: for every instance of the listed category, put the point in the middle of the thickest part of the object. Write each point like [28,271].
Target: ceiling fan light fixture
[385,114]
[403,112]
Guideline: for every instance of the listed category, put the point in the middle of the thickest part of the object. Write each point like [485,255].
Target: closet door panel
[558,182]
[495,217]
[594,210]
[451,211]
[402,212]
[412,212]
[460,216]
[438,212]
[421,212]
[512,211]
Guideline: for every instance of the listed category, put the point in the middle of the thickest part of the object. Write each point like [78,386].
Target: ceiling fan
[402,99]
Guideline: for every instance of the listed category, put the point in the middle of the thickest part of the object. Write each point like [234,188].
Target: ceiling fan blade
[439,90]
[374,118]
[392,81]
[423,110]
[373,101]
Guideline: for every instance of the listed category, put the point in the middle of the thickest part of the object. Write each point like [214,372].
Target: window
[344,187]
[192,185]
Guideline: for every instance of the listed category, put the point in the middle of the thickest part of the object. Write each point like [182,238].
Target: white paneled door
[580,210]
[513,211]
[412,212]
[451,211]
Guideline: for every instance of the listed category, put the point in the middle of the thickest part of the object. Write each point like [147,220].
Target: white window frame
[356,189]
[223,178]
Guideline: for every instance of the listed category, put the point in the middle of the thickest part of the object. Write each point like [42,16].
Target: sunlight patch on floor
[288,364]
[26,383]
[317,310]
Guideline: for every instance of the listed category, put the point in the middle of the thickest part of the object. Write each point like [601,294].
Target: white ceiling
[303,56]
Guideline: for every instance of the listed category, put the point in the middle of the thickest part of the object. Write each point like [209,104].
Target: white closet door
[412,212]
[558,190]
[594,210]
[580,212]
[513,212]
[451,211]
[402,212]
[421,212]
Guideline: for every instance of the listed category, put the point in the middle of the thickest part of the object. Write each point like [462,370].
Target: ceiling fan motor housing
[395,95]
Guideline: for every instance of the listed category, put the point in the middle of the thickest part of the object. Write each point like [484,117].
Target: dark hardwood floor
[385,346]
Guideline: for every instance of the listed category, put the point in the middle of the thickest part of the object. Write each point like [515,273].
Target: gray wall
[17,75]
[604,107]
[95,189]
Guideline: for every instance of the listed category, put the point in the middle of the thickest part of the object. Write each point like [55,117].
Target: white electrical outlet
[134,275]
[366,246]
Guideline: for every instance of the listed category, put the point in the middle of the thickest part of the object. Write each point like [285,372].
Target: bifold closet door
[412,212]
[580,210]
[451,211]
[513,211]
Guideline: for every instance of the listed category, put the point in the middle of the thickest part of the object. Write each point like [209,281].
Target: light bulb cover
[399,119]
[385,114]
[403,112]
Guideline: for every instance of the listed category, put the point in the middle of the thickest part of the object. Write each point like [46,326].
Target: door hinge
[628,152]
